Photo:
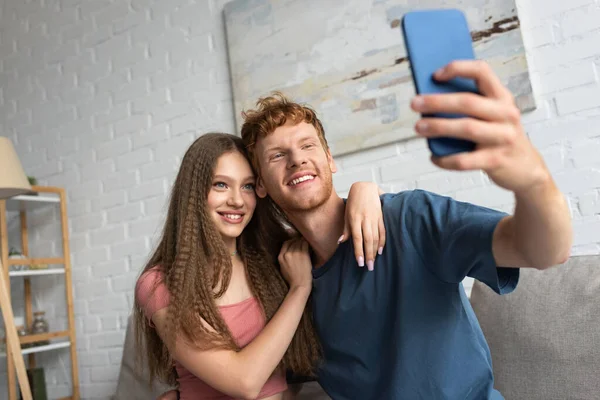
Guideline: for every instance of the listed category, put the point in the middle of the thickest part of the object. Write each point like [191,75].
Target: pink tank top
[244,319]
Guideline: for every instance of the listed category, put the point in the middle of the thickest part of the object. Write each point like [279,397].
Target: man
[406,330]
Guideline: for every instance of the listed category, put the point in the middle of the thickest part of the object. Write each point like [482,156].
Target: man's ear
[260,189]
[331,162]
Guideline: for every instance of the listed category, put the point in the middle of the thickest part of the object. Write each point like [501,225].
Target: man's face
[295,170]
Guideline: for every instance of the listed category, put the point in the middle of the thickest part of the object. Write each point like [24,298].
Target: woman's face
[231,199]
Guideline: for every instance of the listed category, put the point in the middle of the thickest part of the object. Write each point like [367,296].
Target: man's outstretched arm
[539,234]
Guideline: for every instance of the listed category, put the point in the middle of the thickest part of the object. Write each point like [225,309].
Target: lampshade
[13,180]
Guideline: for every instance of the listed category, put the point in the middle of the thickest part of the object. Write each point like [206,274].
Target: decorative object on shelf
[21,329]
[37,381]
[40,325]
[38,266]
[13,182]
[33,182]
[15,254]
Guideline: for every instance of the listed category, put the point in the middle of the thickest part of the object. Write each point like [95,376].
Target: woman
[212,306]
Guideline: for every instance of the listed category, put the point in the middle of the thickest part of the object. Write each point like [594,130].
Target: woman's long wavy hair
[196,267]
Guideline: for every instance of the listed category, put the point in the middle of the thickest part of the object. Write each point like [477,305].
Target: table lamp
[13,182]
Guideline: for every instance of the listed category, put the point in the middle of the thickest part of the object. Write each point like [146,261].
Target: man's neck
[321,227]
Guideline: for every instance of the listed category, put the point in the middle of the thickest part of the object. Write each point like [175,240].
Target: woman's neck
[230,245]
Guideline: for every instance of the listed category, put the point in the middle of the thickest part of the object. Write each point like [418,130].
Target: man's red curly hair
[272,112]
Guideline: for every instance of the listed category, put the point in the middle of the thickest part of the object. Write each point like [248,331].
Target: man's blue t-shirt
[407,329]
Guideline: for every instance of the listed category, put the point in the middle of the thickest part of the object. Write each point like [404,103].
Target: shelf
[30,202]
[31,261]
[37,272]
[47,347]
[41,336]
[40,349]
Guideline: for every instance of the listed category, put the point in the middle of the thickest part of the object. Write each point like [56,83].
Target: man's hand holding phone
[468,116]
[492,121]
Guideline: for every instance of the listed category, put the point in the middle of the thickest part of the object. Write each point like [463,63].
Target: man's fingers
[487,81]
[480,132]
[484,159]
[473,105]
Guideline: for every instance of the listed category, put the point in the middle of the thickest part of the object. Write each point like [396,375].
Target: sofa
[544,337]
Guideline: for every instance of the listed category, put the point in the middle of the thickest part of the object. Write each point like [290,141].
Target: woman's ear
[260,189]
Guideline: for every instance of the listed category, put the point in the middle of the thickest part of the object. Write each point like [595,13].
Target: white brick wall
[102,97]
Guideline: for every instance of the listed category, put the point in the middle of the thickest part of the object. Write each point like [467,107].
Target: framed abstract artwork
[346,59]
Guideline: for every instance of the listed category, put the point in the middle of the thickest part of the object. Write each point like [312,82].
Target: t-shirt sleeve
[151,293]
[456,240]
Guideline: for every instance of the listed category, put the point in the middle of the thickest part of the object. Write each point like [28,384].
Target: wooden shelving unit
[45,197]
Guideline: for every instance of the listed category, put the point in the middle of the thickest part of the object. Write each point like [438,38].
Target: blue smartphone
[433,39]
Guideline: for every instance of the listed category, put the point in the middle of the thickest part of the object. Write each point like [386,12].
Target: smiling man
[407,330]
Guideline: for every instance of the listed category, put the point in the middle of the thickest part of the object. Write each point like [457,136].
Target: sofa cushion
[133,378]
[545,336]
